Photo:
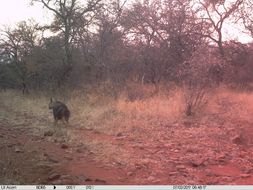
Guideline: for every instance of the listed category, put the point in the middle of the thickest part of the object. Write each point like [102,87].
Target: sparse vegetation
[156,95]
[116,133]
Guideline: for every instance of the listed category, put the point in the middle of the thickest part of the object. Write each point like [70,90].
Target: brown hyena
[60,111]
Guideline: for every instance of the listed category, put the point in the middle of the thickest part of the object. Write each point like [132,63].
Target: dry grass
[232,104]
[17,108]
[107,115]
[159,106]
[93,111]
[35,104]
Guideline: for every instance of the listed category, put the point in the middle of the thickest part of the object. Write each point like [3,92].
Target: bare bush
[198,79]
[196,99]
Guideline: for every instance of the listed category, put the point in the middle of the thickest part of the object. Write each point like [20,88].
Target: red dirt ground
[28,159]
[189,152]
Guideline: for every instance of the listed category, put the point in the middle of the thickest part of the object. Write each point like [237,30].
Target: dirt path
[29,159]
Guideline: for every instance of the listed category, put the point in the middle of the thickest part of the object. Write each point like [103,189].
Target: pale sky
[13,11]
[236,32]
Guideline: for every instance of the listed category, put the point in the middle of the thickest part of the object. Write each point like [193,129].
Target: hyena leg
[67,120]
[55,121]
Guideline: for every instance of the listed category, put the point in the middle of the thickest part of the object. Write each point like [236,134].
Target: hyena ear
[51,99]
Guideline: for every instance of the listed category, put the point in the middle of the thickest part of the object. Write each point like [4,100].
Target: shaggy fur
[60,111]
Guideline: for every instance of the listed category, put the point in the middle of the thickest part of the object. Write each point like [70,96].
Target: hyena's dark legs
[67,120]
[55,121]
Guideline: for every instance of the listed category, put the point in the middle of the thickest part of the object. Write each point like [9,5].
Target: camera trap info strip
[126,187]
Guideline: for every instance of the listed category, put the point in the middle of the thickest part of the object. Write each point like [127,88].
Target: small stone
[173,173]
[64,146]
[180,167]
[167,145]
[81,178]
[64,177]
[88,179]
[79,150]
[130,173]
[138,167]
[221,157]
[156,181]
[151,178]
[249,171]
[48,133]
[122,179]
[245,175]
[68,157]
[54,176]
[57,182]
[45,166]
[196,163]
[100,181]
[53,160]
[117,163]
[119,135]
[15,172]
[18,150]
[120,138]
[237,140]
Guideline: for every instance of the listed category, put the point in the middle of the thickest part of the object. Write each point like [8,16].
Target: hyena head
[60,110]
[51,103]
